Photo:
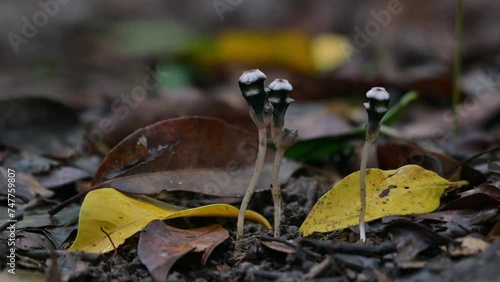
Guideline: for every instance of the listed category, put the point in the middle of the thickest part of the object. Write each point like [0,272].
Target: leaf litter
[454,223]
[468,215]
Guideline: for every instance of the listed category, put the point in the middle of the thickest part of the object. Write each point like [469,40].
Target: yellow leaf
[291,49]
[407,190]
[121,216]
[329,51]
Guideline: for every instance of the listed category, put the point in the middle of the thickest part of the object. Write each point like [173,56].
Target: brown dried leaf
[464,217]
[279,247]
[477,198]
[160,245]
[195,154]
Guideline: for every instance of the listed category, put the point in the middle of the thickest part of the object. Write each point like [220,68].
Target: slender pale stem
[276,189]
[259,163]
[372,131]
[362,189]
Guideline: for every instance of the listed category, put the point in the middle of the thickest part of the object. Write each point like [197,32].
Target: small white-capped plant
[251,84]
[283,138]
[376,107]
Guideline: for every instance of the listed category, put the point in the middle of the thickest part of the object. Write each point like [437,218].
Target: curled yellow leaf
[121,216]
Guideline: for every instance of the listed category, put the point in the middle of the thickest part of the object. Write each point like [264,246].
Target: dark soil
[256,262]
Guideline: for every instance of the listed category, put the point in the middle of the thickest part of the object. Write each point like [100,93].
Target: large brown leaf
[160,245]
[195,154]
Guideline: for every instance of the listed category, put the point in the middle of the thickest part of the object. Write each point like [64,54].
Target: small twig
[55,270]
[78,196]
[113,244]
[272,275]
[66,203]
[300,248]
[318,269]
[450,171]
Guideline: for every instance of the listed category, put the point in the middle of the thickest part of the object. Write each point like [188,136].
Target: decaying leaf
[66,217]
[195,154]
[279,246]
[464,217]
[62,176]
[481,197]
[407,190]
[411,238]
[121,216]
[26,187]
[160,245]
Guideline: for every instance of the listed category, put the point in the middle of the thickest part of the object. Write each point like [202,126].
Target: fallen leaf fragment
[407,190]
[411,238]
[160,245]
[470,245]
[279,246]
[27,187]
[481,197]
[62,176]
[122,215]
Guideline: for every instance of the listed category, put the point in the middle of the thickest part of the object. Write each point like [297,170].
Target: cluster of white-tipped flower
[267,107]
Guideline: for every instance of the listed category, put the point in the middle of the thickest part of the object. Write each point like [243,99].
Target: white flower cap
[280,84]
[251,76]
[378,93]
